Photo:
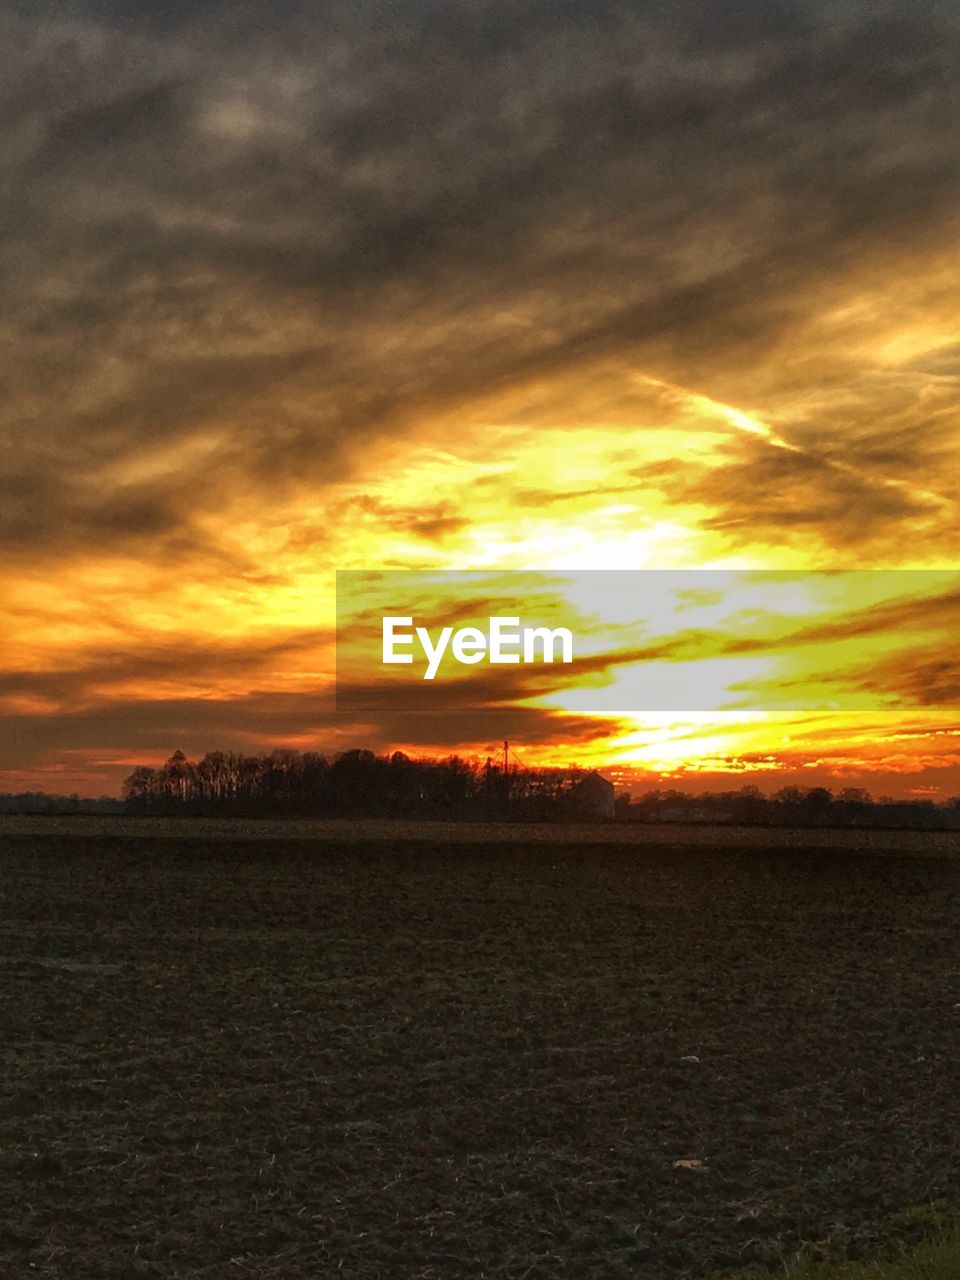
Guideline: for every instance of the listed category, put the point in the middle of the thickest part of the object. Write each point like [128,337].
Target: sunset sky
[470,284]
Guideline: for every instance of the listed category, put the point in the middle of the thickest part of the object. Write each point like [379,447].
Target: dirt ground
[293,1059]
[378,831]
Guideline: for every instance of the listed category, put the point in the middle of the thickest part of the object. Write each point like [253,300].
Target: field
[296,1053]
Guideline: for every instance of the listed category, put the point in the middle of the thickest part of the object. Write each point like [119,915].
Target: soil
[294,1058]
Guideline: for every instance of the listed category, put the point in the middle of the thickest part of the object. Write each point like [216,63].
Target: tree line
[354,783]
[359,783]
[42,802]
[791,807]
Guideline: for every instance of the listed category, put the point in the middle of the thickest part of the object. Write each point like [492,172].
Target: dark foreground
[291,1060]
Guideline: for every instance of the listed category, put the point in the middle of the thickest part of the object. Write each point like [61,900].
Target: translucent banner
[649,640]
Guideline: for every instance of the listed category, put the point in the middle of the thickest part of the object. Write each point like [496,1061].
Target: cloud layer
[258,256]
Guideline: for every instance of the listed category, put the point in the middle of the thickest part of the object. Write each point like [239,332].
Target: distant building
[592,796]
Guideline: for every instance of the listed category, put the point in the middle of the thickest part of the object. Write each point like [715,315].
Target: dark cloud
[137,725]
[148,659]
[933,683]
[135,118]
[427,521]
[219,212]
[764,490]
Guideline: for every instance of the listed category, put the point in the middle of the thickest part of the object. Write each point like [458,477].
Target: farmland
[291,1051]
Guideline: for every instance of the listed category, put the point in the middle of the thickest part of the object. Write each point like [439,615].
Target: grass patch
[934,1260]
[937,1258]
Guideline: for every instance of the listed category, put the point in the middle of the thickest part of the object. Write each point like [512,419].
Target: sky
[464,284]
